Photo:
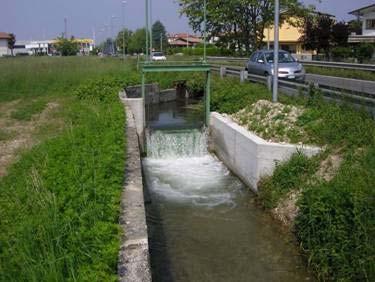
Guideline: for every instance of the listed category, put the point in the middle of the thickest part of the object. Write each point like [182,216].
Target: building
[4,39]
[47,47]
[367,16]
[41,47]
[290,34]
[184,40]
[85,45]
[289,38]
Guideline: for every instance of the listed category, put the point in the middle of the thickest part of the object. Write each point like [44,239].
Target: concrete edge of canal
[247,155]
[134,261]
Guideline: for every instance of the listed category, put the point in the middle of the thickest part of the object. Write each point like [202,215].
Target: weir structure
[201,66]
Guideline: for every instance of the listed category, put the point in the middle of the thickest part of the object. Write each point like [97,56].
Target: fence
[357,92]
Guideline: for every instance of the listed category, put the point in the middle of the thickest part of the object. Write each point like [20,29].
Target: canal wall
[247,155]
[134,261]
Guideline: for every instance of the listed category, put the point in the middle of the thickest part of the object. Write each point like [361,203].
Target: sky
[44,19]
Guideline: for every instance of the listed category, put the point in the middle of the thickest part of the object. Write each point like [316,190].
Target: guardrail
[340,90]
[350,66]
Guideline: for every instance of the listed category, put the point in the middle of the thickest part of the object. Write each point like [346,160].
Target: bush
[364,52]
[342,52]
[229,96]
[104,89]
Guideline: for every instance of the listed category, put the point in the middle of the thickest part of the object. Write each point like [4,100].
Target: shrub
[342,52]
[365,51]
[229,96]
[104,89]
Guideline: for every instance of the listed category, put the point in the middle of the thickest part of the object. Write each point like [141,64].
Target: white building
[4,38]
[367,16]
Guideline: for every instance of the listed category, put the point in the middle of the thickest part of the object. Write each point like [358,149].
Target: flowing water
[203,223]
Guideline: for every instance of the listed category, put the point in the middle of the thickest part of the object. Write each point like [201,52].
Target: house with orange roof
[184,40]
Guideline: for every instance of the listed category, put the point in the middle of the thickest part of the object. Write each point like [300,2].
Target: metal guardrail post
[223,71]
[243,76]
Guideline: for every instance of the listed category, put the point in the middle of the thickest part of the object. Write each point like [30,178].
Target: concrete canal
[202,221]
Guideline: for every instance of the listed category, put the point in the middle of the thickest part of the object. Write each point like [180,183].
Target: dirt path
[21,133]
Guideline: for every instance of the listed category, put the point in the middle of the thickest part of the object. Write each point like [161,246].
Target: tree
[324,33]
[340,34]
[317,32]
[239,24]
[124,36]
[309,37]
[159,35]
[137,43]
[11,42]
[67,47]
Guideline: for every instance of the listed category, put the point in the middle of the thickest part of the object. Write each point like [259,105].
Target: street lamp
[123,27]
[111,35]
[276,53]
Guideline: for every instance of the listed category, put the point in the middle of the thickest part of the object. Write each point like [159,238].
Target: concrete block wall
[247,155]
[167,95]
[134,262]
[136,105]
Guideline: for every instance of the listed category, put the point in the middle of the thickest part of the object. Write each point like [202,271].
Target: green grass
[29,77]
[356,74]
[336,223]
[27,110]
[60,202]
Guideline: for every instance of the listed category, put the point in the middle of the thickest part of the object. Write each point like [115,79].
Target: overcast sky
[44,19]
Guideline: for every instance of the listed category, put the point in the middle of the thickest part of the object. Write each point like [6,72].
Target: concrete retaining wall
[247,155]
[133,262]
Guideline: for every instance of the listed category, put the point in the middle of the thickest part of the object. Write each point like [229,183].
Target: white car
[158,56]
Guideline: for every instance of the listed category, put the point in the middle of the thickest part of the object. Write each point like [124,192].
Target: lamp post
[147,30]
[276,54]
[123,28]
[111,35]
[205,32]
[151,36]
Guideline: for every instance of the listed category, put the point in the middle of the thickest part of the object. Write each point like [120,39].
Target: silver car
[261,63]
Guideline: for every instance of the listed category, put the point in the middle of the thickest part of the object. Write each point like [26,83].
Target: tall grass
[60,202]
[27,77]
[355,74]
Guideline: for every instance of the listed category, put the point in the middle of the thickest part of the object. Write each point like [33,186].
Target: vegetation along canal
[203,223]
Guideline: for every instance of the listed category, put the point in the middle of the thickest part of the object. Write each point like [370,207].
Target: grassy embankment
[59,199]
[336,220]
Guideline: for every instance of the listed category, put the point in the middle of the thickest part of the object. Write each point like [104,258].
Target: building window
[370,24]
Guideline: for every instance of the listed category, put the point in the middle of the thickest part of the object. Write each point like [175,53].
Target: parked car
[261,63]
[158,56]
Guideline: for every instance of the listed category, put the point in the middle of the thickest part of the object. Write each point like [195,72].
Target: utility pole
[151,37]
[111,35]
[123,28]
[65,28]
[147,30]
[205,32]
[276,54]
[161,42]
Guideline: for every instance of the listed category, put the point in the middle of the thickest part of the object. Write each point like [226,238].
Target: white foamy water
[180,169]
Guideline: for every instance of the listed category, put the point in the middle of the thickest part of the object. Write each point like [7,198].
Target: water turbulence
[203,223]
